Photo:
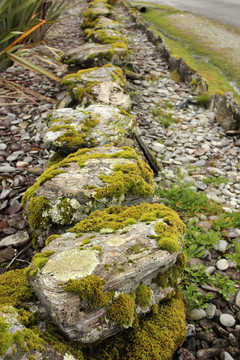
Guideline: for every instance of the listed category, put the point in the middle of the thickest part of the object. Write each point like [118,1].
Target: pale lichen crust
[71,264]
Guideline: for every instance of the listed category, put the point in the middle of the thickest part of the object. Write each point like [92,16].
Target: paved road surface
[225,11]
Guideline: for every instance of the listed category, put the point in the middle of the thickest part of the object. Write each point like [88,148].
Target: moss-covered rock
[104,36]
[93,12]
[102,85]
[107,72]
[95,261]
[87,180]
[97,125]
[91,54]
[103,22]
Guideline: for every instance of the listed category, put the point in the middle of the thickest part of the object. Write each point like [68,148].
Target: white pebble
[227,356]
[222,264]
[227,320]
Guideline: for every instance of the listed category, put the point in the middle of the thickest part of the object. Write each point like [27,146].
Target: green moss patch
[170,277]
[158,335]
[14,288]
[115,218]
[39,261]
[37,207]
[6,338]
[90,288]
[104,36]
[122,310]
[143,295]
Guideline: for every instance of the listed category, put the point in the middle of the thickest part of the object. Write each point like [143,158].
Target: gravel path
[193,143]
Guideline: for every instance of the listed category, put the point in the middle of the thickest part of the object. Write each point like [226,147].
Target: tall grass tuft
[30,17]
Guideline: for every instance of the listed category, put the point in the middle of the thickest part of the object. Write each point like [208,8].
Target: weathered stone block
[97,125]
[85,181]
[227,110]
[91,54]
[110,266]
[99,85]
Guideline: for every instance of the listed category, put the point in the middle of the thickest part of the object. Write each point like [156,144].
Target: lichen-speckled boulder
[227,110]
[96,125]
[87,180]
[103,85]
[91,54]
[110,267]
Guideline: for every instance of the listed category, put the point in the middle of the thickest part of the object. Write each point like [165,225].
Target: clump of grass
[195,276]
[164,118]
[198,240]
[203,99]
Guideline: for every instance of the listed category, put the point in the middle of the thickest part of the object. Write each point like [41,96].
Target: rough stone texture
[89,184]
[227,111]
[91,54]
[187,74]
[103,85]
[126,268]
[97,125]
[16,240]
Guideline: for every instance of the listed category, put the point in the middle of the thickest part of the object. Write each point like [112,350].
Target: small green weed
[236,255]
[226,221]
[195,299]
[181,197]
[195,276]
[198,239]
[162,117]
[217,181]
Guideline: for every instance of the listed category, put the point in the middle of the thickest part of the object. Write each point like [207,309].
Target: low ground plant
[184,199]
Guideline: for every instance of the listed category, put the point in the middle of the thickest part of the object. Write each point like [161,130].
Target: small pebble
[221,246]
[237,300]
[197,314]
[222,264]
[227,320]
[227,356]
[210,311]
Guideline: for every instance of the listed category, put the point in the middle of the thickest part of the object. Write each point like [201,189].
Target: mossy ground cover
[192,206]
[215,65]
